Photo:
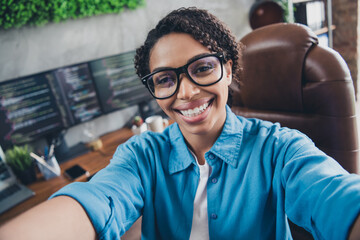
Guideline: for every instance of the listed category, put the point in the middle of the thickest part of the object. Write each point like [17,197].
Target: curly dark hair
[203,27]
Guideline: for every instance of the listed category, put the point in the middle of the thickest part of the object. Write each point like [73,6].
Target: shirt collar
[226,147]
[180,157]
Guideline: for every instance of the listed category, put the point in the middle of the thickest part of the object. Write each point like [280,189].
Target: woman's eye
[164,81]
[203,69]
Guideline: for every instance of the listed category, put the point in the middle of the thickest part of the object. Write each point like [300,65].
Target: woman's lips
[195,114]
[195,111]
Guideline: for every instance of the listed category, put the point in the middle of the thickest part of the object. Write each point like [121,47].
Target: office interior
[28,51]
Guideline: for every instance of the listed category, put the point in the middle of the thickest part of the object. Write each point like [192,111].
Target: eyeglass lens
[204,71]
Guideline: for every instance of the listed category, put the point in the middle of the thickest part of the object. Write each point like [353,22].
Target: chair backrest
[290,79]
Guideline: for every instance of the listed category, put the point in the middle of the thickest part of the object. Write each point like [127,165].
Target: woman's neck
[200,144]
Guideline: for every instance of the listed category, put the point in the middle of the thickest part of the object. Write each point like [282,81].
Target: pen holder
[50,173]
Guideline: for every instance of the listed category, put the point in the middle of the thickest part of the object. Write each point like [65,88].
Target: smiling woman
[209,172]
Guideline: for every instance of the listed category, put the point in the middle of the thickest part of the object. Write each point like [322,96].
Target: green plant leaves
[18,158]
[17,13]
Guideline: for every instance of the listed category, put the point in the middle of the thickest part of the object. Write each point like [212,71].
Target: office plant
[18,158]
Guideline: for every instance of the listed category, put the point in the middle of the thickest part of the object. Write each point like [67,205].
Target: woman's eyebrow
[197,56]
[161,68]
[191,59]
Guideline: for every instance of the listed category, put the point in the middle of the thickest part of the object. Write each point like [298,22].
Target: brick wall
[345,36]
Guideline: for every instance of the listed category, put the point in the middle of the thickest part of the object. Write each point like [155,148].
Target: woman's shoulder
[264,128]
[252,126]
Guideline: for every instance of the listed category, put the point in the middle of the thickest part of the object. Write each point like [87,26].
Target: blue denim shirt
[261,174]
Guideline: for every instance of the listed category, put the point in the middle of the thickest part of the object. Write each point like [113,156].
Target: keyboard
[11,190]
[13,195]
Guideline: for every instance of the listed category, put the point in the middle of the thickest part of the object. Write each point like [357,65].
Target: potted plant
[20,161]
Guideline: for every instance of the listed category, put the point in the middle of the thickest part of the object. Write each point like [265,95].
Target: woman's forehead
[174,50]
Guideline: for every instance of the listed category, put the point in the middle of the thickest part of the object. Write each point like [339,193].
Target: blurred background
[29,50]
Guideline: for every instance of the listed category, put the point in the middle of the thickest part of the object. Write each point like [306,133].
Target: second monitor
[116,82]
[76,95]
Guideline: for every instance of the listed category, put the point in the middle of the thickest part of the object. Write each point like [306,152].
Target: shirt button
[213,216]
[211,156]
[214,180]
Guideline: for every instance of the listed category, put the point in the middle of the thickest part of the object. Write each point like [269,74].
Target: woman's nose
[187,88]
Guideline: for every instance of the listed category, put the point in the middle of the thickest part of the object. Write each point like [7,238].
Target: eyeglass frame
[184,69]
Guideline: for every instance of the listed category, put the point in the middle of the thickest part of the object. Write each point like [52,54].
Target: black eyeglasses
[205,70]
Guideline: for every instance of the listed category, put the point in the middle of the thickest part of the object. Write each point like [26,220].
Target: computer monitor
[28,110]
[116,82]
[75,93]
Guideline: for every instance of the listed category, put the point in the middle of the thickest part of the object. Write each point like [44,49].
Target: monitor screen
[116,82]
[75,92]
[28,110]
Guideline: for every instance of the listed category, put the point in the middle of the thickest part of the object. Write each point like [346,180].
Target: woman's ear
[228,71]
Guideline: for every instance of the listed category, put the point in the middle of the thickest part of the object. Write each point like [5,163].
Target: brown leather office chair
[289,79]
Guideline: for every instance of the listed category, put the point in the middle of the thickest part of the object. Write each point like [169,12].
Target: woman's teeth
[196,111]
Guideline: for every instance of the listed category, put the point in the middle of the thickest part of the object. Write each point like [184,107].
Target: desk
[92,162]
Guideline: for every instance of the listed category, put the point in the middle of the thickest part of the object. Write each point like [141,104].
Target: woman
[211,174]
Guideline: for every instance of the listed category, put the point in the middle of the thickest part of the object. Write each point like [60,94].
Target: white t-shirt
[200,225]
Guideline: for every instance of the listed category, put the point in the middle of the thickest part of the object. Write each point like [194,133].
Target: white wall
[30,50]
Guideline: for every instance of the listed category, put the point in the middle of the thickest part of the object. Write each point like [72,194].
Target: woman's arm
[355,230]
[59,218]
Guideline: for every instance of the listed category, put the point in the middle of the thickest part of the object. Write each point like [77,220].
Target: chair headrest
[285,47]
